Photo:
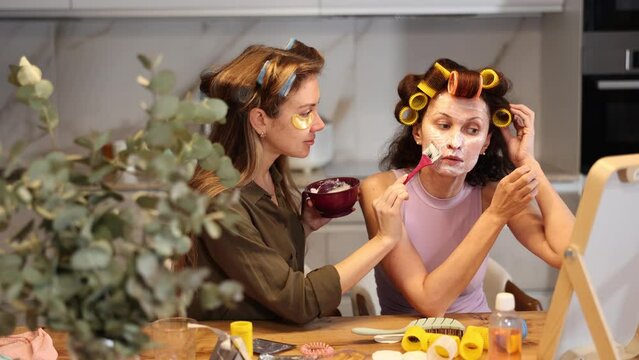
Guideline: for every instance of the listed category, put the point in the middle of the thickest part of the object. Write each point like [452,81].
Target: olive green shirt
[266,255]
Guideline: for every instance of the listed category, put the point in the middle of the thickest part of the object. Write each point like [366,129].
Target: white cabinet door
[437,7]
[35,4]
[205,7]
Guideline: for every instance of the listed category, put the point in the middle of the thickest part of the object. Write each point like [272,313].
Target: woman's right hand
[513,193]
[387,210]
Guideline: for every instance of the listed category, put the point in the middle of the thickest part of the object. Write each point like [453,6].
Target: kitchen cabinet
[212,8]
[35,5]
[437,7]
[203,7]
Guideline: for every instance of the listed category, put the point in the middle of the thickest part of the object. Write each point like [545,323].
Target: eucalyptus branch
[92,253]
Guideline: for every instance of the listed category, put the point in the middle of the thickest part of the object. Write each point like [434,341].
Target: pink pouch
[35,345]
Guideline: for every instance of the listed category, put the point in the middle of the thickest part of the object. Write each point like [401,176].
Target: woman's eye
[473,131]
[444,126]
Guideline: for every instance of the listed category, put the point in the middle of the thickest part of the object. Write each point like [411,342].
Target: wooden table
[336,331]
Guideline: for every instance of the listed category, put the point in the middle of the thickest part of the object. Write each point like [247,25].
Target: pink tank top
[436,227]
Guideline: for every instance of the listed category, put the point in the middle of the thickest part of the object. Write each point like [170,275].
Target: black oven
[610,95]
[611,15]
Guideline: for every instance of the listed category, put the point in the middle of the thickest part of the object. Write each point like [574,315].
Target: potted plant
[90,260]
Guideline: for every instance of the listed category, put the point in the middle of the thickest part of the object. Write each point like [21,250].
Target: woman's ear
[487,142]
[257,118]
[417,133]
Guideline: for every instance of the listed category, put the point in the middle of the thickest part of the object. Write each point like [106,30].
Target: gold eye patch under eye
[302,122]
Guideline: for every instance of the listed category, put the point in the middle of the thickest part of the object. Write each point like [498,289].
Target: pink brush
[429,156]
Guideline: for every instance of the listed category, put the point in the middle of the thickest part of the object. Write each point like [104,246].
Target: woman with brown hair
[272,96]
[486,177]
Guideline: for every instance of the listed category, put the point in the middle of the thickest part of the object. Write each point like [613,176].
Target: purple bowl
[333,204]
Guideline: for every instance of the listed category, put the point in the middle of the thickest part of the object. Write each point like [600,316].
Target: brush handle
[423,162]
[370,331]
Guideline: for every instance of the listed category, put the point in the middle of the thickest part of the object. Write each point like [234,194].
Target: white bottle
[505,329]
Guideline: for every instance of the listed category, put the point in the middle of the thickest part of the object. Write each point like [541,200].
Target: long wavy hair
[403,152]
[236,84]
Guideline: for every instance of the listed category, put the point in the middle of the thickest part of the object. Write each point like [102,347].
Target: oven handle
[618,85]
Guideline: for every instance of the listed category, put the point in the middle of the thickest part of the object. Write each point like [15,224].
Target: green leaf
[147,202]
[13,291]
[90,258]
[7,323]
[164,164]
[229,176]
[109,226]
[10,261]
[165,107]
[218,109]
[69,216]
[98,174]
[32,276]
[29,74]
[37,104]
[25,93]
[84,141]
[38,169]
[145,61]
[231,290]
[65,286]
[147,266]
[201,148]
[162,83]
[43,89]
[160,134]
[210,163]
[186,110]
[182,245]
[164,289]
[94,141]
[210,296]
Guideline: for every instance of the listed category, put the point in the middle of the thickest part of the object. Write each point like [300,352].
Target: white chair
[497,280]
[364,299]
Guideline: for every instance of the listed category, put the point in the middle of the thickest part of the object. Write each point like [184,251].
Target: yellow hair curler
[423,86]
[418,101]
[407,116]
[489,78]
[415,338]
[502,117]
[472,344]
[442,70]
[483,331]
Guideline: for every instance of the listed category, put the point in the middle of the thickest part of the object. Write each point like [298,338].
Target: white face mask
[458,127]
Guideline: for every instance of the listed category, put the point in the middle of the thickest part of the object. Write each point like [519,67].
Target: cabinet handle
[618,85]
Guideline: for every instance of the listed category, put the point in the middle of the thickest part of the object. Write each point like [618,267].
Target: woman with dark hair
[272,96]
[486,177]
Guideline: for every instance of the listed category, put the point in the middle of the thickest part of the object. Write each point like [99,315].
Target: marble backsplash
[93,64]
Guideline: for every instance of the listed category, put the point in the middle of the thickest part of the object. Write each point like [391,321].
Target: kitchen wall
[93,64]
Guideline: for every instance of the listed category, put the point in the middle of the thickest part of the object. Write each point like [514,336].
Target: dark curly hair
[403,152]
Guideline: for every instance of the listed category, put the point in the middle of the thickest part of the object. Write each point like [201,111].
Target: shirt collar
[254,192]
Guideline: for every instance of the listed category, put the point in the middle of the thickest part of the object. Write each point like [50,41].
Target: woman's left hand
[521,146]
[311,218]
